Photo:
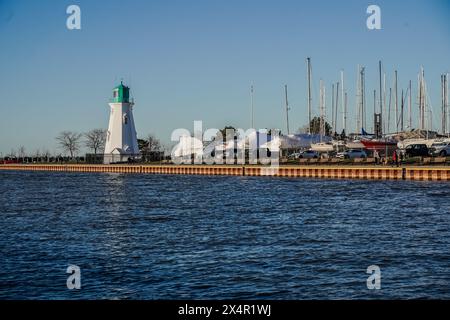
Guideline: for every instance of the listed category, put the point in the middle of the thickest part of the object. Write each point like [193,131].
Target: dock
[423,173]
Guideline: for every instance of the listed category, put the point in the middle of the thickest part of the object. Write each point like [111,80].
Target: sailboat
[376,141]
[423,135]
[322,146]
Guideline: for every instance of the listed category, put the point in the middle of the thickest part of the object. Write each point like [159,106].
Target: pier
[424,173]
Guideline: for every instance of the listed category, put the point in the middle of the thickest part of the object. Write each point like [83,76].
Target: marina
[239,154]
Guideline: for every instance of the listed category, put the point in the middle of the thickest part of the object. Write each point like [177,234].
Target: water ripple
[195,237]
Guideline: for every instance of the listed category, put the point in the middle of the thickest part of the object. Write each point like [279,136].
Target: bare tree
[153,143]
[150,148]
[22,152]
[46,153]
[303,129]
[12,154]
[95,139]
[69,141]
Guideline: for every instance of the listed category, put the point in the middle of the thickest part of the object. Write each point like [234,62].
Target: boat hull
[378,145]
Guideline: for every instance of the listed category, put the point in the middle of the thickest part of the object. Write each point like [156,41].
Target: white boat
[322,147]
[403,144]
[356,144]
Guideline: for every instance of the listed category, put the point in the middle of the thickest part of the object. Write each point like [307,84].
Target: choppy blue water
[197,237]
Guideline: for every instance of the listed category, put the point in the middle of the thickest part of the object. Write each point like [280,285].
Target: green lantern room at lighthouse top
[121,94]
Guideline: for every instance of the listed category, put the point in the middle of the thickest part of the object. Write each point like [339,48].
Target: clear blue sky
[192,60]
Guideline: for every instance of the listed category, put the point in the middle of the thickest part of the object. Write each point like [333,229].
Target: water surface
[199,237]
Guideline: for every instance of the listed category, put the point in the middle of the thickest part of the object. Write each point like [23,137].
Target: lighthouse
[121,142]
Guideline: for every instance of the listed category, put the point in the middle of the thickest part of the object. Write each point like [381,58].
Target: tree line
[71,142]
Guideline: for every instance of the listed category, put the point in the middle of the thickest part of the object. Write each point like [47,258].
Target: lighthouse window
[125,119]
[115,94]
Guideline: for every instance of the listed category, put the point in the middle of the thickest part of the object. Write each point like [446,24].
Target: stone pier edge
[325,172]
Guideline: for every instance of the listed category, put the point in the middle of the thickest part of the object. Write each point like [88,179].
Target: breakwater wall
[326,172]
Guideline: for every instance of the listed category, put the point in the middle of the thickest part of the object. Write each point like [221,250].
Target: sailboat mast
[410,106]
[422,100]
[442,104]
[444,83]
[446,104]
[401,113]
[389,111]
[332,107]
[363,95]
[337,106]
[419,99]
[308,63]
[358,101]
[287,108]
[381,100]
[425,103]
[324,111]
[374,110]
[344,105]
[251,107]
[321,102]
[429,113]
[384,102]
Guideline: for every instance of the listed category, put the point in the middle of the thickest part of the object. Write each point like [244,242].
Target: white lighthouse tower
[121,142]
